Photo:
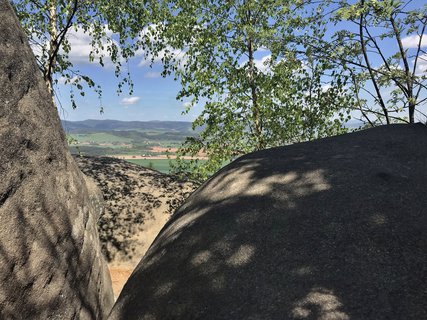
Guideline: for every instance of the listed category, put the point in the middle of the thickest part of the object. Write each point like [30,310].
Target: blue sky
[153,97]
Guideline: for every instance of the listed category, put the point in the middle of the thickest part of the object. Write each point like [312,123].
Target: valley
[152,144]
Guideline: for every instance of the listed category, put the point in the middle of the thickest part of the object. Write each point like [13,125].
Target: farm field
[162,165]
[145,143]
[110,137]
[100,137]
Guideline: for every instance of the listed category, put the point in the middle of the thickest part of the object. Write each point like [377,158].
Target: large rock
[330,229]
[51,266]
[138,202]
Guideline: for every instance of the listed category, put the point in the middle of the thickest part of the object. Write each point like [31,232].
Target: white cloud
[187,104]
[412,41]
[422,64]
[80,46]
[37,49]
[63,79]
[262,49]
[326,87]
[152,75]
[169,51]
[263,64]
[127,101]
[80,43]
[153,33]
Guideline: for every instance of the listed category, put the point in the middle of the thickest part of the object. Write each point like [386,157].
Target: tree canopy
[114,29]
[249,103]
[382,46]
[266,72]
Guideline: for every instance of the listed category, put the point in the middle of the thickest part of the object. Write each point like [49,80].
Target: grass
[132,143]
[100,137]
[161,165]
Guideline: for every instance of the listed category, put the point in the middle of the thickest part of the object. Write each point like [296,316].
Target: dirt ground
[119,276]
[161,154]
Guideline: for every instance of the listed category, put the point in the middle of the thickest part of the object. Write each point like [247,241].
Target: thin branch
[409,77]
[353,78]
[405,90]
[382,114]
[374,82]
[61,37]
[422,101]
[419,47]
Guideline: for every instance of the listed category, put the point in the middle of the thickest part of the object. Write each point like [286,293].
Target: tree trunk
[254,97]
[53,30]
[411,112]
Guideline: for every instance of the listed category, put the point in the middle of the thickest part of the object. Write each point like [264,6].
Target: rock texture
[331,229]
[51,266]
[138,203]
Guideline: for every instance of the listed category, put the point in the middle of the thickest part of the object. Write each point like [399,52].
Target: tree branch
[59,39]
[368,65]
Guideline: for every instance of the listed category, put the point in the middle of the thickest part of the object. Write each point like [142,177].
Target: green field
[139,139]
[122,142]
[161,165]
[100,137]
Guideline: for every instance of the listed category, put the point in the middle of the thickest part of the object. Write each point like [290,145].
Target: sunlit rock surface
[331,229]
[138,202]
[51,266]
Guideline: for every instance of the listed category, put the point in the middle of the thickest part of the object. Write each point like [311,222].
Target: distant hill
[91,126]
[127,138]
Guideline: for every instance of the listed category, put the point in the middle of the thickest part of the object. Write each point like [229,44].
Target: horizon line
[126,120]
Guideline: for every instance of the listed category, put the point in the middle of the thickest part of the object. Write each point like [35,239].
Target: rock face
[138,202]
[51,266]
[331,229]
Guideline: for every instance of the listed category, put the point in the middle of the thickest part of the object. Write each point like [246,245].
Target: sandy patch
[119,276]
[159,149]
[138,203]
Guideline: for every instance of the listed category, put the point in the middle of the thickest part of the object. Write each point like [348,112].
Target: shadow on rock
[51,266]
[330,229]
[138,202]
